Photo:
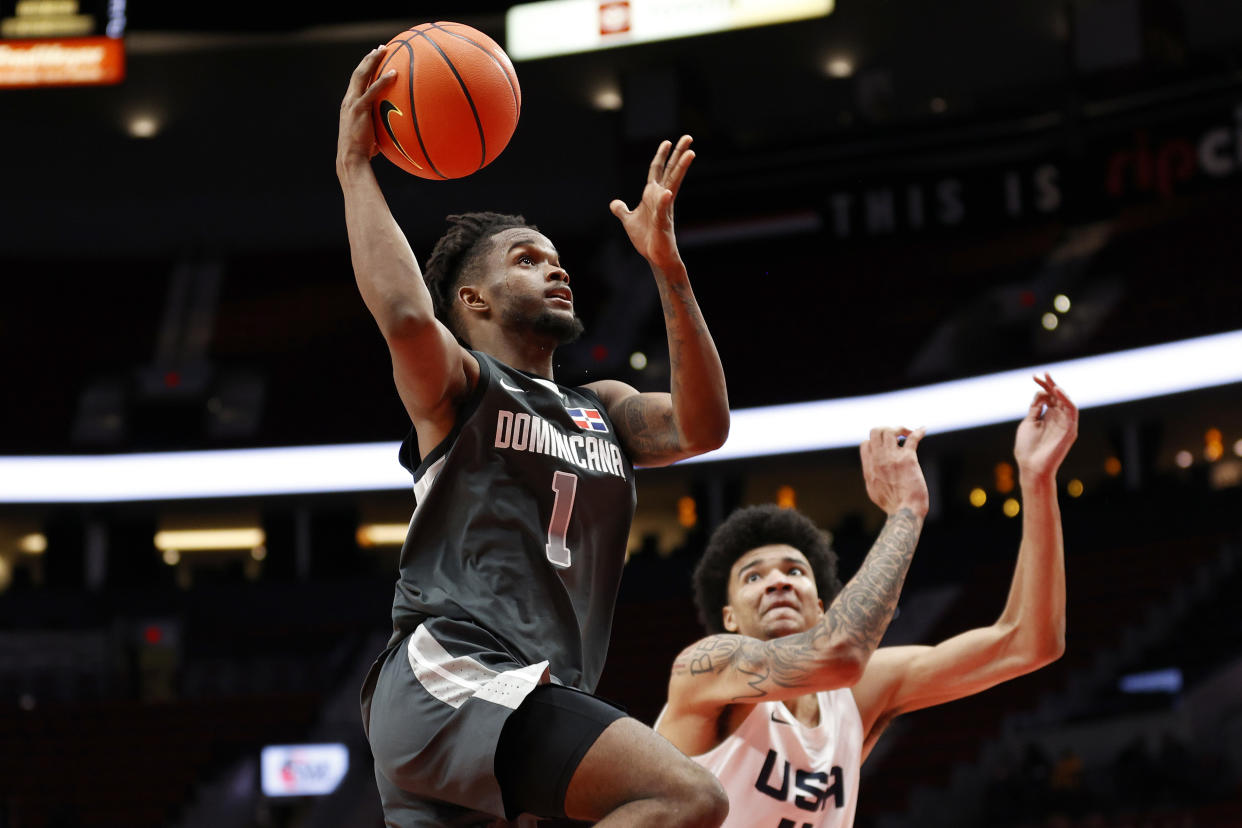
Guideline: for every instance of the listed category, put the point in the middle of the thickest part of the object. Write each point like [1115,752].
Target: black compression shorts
[542,743]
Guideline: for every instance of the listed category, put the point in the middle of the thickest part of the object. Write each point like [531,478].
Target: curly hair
[456,252]
[750,528]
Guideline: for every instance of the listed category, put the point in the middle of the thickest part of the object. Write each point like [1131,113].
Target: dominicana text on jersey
[520,431]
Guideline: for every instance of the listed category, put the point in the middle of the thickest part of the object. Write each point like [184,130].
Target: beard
[565,329]
[557,326]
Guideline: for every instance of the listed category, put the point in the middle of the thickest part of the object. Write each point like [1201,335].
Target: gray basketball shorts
[433,707]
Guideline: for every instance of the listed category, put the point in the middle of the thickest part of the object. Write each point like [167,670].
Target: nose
[778,583]
[558,274]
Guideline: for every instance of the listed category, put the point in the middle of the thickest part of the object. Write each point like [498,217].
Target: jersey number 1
[566,486]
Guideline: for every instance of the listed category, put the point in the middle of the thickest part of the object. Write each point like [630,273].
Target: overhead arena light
[381,534]
[562,27]
[195,540]
[1121,377]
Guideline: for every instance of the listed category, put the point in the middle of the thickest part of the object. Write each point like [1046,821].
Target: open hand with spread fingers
[650,224]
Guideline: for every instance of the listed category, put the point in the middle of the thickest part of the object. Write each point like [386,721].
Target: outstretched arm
[723,670]
[657,428]
[430,368]
[1030,631]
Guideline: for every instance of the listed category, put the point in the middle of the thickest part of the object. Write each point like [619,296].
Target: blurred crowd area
[1068,186]
[156,694]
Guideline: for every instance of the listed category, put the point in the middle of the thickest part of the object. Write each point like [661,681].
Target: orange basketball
[454,104]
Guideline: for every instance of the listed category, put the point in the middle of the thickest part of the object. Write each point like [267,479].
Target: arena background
[889,196]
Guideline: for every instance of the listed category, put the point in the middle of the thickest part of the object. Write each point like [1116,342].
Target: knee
[712,804]
[700,798]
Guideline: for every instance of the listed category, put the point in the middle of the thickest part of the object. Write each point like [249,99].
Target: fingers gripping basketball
[454,104]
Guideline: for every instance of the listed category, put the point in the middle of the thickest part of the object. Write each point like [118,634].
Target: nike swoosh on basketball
[509,387]
[386,109]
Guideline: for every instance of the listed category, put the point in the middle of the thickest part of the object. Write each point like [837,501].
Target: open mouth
[779,605]
[562,294]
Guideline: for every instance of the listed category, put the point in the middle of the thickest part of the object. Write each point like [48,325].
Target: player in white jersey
[786,699]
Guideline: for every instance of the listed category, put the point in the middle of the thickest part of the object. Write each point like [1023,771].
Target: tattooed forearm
[860,613]
[689,342]
[727,652]
[857,618]
[865,606]
[710,655]
[675,297]
[694,417]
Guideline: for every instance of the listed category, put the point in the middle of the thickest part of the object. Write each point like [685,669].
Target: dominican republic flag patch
[587,419]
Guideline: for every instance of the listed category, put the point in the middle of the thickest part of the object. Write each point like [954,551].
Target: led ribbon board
[562,27]
[1120,377]
[61,42]
[1124,376]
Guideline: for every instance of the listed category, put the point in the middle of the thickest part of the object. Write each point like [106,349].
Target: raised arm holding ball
[480,707]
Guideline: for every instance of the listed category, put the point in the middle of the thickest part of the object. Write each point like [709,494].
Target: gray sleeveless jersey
[521,520]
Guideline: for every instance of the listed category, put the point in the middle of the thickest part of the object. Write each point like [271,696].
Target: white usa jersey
[779,773]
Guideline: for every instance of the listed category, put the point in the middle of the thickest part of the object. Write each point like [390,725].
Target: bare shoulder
[883,676]
[698,715]
[611,392]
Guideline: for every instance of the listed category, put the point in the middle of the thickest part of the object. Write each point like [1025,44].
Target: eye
[525,259]
[796,570]
[751,577]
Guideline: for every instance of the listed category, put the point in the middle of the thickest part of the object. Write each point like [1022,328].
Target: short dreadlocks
[456,253]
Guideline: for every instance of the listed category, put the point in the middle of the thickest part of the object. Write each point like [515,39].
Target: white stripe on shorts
[511,686]
[454,679]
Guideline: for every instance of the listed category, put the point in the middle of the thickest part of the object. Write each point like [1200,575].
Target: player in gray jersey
[480,709]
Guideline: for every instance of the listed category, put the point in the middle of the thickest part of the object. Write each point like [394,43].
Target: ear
[820,601]
[472,299]
[726,617]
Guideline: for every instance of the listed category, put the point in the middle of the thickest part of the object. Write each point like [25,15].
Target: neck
[526,352]
[805,709]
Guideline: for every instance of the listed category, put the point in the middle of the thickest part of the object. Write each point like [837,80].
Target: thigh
[542,745]
[403,809]
[630,762]
[434,716]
